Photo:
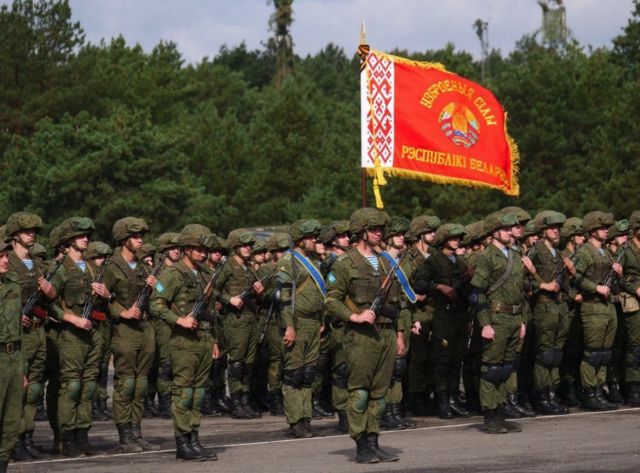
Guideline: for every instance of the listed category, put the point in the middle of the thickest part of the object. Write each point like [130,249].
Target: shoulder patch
[159,287]
[331,278]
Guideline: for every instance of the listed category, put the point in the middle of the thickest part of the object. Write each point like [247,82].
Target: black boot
[556,403]
[343,423]
[82,440]
[383,456]
[96,413]
[41,412]
[456,407]
[237,409]
[614,396]
[194,441]
[102,403]
[19,453]
[509,411]
[543,406]
[512,399]
[70,448]
[492,424]
[511,427]
[472,403]
[444,408]
[56,448]
[569,395]
[419,406]
[30,447]
[396,410]
[364,452]
[388,420]
[317,410]
[633,394]
[299,431]
[590,401]
[184,451]
[149,406]
[4,466]
[127,442]
[306,423]
[164,405]
[146,446]
[245,399]
[609,406]
[276,407]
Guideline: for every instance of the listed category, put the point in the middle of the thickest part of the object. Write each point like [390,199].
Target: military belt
[10,347]
[385,325]
[501,308]
[551,299]
[309,316]
[612,299]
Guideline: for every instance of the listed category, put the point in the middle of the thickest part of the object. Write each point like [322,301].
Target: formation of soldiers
[373,318]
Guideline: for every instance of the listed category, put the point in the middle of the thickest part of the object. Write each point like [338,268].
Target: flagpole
[363,172]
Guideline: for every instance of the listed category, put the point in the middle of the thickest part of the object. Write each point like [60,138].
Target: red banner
[420,121]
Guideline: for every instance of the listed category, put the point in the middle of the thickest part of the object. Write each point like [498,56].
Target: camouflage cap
[549,218]
[597,219]
[194,235]
[396,226]
[127,226]
[447,231]
[521,214]
[620,228]
[474,232]
[278,241]
[572,226]
[146,250]
[259,246]
[75,226]
[423,224]
[498,220]
[367,217]
[22,221]
[331,231]
[168,240]
[304,228]
[38,251]
[634,220]
[240,237]
[98,249]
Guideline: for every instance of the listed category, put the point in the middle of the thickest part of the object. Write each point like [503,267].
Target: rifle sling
[503,279]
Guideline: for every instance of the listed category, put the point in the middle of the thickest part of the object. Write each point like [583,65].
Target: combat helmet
[521,214]
[597,219]
[259,246]
[620,228]
[278,242]
[395,226]
[195,235]
[304,228]
[168,240]
[23,221]
[145,251]
[240,237]
[447,231]
[422,224]
[474,232]
[75,226]
[127,226]
[98,249]
[497,220]
[634,220]
[572,226]
[365,218]
[38,251]
[549,218]
[331,231]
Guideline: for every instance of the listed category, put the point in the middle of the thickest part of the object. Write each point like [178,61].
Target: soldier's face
[80,243]
[258,258]
[98,261]
[173,254]
[373,236]
[244,251]
[342,240]
[196,254]
[517,231]
[503,235]
[319,248]
[621,240]
[578,240]
[26,238]
[134,242]
[553,234]
[397,242]
[453,243]
[4,262]
[309,244]
[601,234]
[428,237]
[215,256]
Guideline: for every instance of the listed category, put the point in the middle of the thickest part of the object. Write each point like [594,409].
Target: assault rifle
[30,307]
[611,275]
[199,310]
[90,300]
[145,293]
[248,290]
[383,291]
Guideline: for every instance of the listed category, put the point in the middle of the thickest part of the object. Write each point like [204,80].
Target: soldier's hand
[46,288]
[400,347]
[289,337]
[617,267]
[151,281]
[523,330]
[488,333]
[236,302]
[131,313]
[365,317]
[421,297]
[258,287]
[578,299]
[638,293]
[552,286]
[187,322]
[26,322]
[604,291]
[79,322]
[416,327]
[215,351]
[528,264]
[571,268]
[100,290]
[25,382]
[447,291]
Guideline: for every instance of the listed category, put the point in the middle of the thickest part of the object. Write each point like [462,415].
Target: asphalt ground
[579,442]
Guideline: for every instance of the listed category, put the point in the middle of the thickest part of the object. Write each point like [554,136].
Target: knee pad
[507,370]
[594,358]
[339,377]
[379,406]
[72,389]
[198,398]
[142,386]
[127,388]
[399,369]
[361,400]
[34,392]
[557,357]
[547,358]
[492,373]
[293,378]
[236,370]
[309,376]
[165,371]
[442,366]
[183,397]
[89,389]
[605,357]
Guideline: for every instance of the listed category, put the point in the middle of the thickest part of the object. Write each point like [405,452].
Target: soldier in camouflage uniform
[97,253]
[11,357]
[259,387]
[133,338]
[371,337]
[22,228]
[79,343]
[593,266]
[192,347]
[239,319]
[445,277]
[298,272]
[499,293]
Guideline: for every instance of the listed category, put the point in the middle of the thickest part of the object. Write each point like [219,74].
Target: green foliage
[107,130]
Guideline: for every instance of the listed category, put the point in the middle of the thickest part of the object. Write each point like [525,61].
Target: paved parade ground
[581,442]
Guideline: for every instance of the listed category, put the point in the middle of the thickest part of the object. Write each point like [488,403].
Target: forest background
[107,130]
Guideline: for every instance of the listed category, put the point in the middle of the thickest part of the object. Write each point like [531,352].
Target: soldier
[133,339]
[22,228]
[12,378]
[298,273]
[572,237]
[238,290]
[192,346]
[550,310]
[370,339]
[593,267]
[96,255]
[168,249]
[498,289]
[422,232]
[630,284]
[79,344]
[445,277]
[259,389]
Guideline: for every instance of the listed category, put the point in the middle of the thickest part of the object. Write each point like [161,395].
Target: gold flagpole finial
[363,34]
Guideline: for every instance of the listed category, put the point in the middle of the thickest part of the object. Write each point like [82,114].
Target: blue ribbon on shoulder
[313,272]
[402,278]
